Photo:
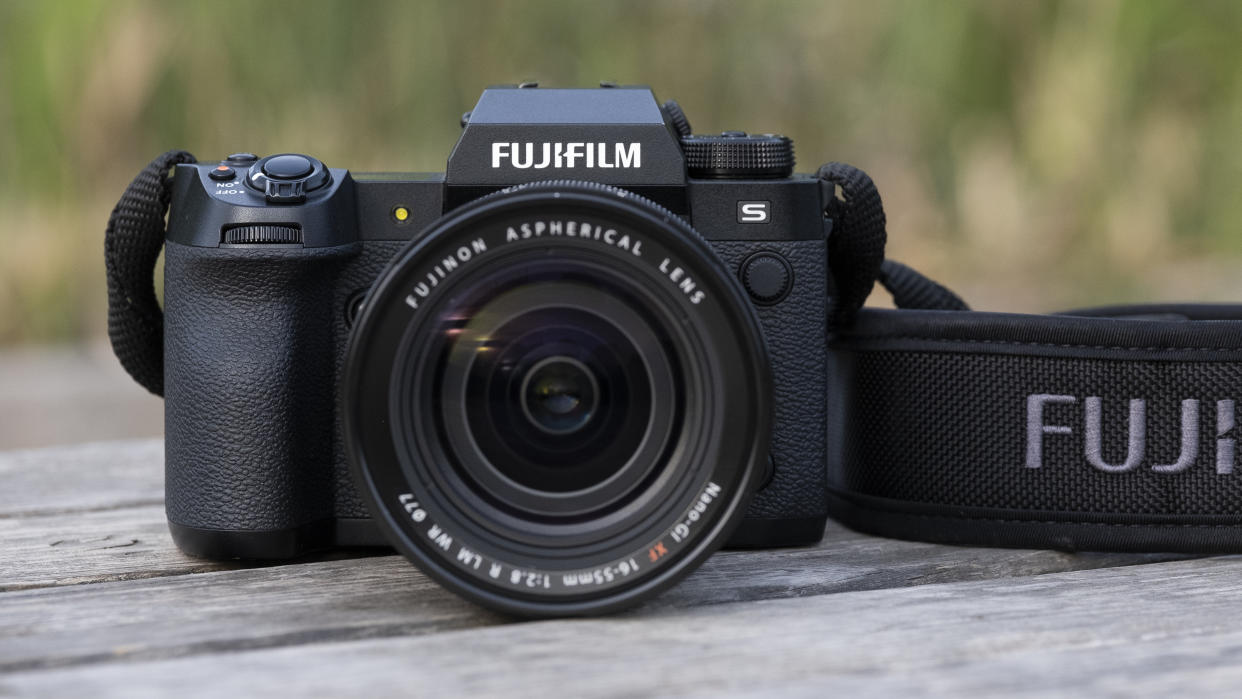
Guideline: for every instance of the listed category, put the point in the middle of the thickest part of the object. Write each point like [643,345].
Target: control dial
[677,117]
[767,277]
[738,155]
[288,177]
[264,234]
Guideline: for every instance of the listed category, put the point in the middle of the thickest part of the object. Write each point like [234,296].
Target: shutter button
[287,167]
[288,177]
[222,173]
[767,277]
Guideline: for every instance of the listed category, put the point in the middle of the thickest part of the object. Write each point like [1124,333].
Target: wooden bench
[96,601]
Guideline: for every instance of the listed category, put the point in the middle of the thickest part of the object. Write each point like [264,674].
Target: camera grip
[791,509]
[249,344]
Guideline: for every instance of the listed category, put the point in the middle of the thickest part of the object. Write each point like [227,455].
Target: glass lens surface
[551,379]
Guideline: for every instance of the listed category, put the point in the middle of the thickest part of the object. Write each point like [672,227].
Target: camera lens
[545,396]
[545,417]
[559,395]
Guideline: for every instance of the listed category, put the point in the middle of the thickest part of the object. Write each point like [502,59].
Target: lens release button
[767,277]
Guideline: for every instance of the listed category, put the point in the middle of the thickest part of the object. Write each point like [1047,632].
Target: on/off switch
[222,173]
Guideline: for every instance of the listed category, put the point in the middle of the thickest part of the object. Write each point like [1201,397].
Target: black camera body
[270,263]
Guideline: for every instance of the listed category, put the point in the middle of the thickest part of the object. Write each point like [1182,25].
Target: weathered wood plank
[71,548]
[91,514]
[279,605]
[128,543]
[385,596]
[106,475]
[1143,630]
[101,520]
[847,561]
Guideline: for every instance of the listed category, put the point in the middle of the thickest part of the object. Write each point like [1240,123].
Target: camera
[556,376]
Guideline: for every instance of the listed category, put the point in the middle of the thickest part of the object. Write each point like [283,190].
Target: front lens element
[559,395]
[547,393]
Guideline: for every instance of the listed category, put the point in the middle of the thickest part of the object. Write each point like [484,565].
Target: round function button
[222,173]
[287,167]
[767,277]
[242,158]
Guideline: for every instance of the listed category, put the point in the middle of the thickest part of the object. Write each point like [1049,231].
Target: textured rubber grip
[250,406]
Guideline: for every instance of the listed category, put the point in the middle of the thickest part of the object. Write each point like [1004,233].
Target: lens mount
[556,400]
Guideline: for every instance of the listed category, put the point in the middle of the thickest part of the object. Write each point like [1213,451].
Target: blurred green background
[1031,155]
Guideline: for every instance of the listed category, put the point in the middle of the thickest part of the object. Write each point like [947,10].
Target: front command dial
[288,177]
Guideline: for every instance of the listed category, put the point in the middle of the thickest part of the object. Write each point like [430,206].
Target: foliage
[1030,154]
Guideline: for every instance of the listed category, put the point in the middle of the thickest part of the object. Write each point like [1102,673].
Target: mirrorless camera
[556,376]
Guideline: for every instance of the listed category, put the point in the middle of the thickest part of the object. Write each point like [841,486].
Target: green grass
[1033,154]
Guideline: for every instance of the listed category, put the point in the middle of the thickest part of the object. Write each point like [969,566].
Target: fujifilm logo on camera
[559,155]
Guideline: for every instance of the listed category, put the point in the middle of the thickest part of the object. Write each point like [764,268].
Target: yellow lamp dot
[401,214]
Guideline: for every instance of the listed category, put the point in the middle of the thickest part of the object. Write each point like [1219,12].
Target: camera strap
[132,245]
[1105,429]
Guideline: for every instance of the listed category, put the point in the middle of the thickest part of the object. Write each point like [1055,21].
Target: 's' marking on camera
[753,211]
[560,155]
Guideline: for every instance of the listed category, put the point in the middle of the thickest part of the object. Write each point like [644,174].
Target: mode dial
[288,177]
[738,155]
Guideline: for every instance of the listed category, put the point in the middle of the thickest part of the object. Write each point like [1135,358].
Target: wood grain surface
[96,601]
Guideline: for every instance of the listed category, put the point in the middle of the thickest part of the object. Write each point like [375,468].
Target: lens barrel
[556,400]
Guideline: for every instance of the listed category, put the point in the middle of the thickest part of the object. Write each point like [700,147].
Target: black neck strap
[132,244]
[1109,429]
